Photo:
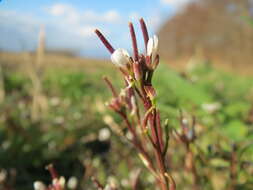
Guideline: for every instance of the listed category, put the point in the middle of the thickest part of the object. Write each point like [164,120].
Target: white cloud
[90,15]
[78,25]
[175,3]
[111,16]
[60,9]
[71,14]
[86,31]
[67,26]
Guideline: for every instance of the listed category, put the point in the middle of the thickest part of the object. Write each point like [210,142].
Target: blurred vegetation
[68,127]
[216,27]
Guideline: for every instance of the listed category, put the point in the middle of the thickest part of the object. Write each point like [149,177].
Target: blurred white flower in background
[38,185]
[54,101]
[104,134]
[112,182]
[59,181]
[3,175]
[72,183]
[211,107]
[59,120]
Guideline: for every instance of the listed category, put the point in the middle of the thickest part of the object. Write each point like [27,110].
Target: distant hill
[216,27]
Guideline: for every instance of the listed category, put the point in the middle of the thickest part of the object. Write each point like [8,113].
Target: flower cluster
[137,106]
[58,183]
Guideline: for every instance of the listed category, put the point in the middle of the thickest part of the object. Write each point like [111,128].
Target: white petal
[125,52]
[62,181]
[150,46]
[155,48]
[155,40]
[120,57]
[114,58]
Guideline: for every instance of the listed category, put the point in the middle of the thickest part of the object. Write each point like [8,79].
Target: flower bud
[120,57]
[72,183]
[38,185]
[59,183]
[62,181]
[152,46]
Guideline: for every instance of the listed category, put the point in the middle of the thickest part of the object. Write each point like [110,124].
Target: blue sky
[69,24]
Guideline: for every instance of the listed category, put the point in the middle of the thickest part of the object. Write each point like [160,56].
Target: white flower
[185,121]
[3,175]
[72,182]
[38,185]
[59,181]
[107,187]
[120,57]
[62,181]
[211,107]
[112,182]
[104,134]
[152,46]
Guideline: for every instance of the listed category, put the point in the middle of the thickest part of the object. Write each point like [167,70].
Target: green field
[56,117]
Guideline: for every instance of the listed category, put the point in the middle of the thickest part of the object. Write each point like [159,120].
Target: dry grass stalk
[34,69]
[2,91]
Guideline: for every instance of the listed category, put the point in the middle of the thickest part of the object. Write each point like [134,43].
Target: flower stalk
[137,104]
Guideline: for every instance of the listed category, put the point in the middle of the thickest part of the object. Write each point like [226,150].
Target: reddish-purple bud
[104,41]
[134,41]
[144,32]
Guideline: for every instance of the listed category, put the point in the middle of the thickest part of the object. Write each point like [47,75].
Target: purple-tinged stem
[144,32]
[159,130]
[158,150]
[134,41]
[109,84]
[105,41]
[52,171]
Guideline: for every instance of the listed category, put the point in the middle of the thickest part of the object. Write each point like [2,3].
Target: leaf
[235,130]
